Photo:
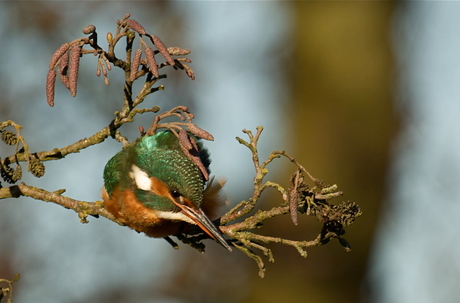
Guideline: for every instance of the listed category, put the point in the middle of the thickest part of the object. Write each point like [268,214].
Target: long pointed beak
[199,217]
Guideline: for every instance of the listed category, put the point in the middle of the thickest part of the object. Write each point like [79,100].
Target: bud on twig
[89,29]
[109,37]
[141,130]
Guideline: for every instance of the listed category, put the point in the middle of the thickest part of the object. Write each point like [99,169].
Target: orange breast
[125,206]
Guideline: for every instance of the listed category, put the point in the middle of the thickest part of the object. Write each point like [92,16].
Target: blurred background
[363,94]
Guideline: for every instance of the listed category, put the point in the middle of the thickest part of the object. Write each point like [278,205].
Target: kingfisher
[154,187]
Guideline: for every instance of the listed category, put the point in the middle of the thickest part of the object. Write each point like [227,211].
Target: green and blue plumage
[160,156]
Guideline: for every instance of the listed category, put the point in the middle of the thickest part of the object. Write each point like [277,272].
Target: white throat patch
[143,182]
[141,178]
[173,216]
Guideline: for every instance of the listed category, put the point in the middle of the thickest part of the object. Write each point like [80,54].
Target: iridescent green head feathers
[157,157]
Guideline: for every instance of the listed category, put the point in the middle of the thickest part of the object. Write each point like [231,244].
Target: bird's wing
[116,169]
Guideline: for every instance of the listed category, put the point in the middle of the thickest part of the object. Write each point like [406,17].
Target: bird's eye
[175,194]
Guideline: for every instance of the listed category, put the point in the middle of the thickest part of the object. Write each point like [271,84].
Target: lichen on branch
[145,58]
[299,198]
[7,292]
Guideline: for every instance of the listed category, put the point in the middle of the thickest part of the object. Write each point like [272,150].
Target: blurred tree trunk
[342,126]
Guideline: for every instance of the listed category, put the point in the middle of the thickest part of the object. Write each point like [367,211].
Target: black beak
[198,216]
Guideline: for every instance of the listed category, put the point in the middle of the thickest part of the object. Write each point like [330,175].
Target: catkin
[74,64]
[58,54]
[50,81]
[135,63]
[162,48]
[150,57]
[136,26]
[199,132]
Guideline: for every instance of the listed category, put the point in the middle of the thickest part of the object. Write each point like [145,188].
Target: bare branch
[305,194]
[8,291]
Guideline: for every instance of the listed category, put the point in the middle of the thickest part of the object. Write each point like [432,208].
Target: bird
[154,187]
